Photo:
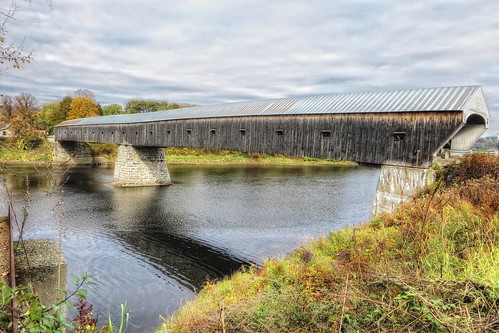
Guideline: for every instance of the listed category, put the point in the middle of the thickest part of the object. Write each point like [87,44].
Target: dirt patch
[4,249]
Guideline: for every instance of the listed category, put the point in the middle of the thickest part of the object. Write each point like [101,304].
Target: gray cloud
[210,52]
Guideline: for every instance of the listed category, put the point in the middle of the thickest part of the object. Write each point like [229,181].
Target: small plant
[31,314]
[34,317]
[84,321]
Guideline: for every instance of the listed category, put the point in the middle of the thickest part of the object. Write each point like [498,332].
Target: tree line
[29,123]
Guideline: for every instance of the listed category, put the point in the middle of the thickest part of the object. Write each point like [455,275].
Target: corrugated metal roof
[413,100]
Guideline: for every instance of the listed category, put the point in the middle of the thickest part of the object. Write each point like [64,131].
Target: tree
[46,115]
[140,106]
[486,143]
[83,108]
[112,109]
[6,109]
[61,113]
[24,123]
[86,93]
[11,54]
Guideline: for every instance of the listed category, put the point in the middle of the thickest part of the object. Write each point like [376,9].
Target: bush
[472,166]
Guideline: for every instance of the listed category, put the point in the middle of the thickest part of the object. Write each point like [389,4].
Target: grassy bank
[206,156]
[40,154]
[43,153]
[431,266]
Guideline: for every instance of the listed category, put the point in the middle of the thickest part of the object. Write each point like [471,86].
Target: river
[153,247]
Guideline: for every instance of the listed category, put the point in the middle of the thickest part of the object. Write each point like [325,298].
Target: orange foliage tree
[83,108]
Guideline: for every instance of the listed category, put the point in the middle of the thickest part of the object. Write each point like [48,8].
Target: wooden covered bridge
[400,127]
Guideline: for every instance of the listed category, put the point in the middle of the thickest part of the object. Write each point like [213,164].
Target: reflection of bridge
[403,127]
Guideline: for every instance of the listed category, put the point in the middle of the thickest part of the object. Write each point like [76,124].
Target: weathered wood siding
[377,138]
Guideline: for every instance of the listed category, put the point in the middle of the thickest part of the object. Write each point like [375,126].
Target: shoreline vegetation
[431,266]
[204,156]
[42,155]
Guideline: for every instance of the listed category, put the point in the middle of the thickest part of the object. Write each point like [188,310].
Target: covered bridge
[399,127]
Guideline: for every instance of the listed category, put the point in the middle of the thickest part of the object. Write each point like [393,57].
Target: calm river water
[153,247]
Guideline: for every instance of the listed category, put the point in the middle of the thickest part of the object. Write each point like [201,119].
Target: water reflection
[160,223]
[153,246]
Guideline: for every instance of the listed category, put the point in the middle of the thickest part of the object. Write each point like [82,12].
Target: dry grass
[432,266]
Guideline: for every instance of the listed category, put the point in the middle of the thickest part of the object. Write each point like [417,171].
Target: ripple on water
[152,247]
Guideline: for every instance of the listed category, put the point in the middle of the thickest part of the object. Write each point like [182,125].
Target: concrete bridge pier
[399,184]
[141,166]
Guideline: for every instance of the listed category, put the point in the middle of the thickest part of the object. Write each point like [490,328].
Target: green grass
[40,154]
[107,150]
[205,156]
[431,266]
[43,153]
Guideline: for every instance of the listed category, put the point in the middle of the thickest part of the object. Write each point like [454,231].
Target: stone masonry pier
[141,166]
[72,152]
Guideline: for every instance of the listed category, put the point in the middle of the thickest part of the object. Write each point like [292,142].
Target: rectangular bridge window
[398,136]
[279,132]
[213,131]
[242,131]
[189,131]
[326,133]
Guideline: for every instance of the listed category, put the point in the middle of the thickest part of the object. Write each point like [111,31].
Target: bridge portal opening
[475,119]
[471,131]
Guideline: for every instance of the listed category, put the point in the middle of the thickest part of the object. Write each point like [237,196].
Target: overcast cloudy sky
[208,51]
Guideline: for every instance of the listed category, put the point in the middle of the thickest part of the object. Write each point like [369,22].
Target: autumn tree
[24,123]
[6,109]
[112,109]
[83,108]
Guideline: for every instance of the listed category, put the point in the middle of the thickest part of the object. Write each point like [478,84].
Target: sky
[217,51]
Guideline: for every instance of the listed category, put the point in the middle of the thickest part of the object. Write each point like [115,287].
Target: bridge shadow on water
[186,260]
[155,229]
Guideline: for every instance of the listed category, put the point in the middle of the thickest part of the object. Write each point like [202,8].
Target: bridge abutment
[141,166]
[72,152]
[399,184]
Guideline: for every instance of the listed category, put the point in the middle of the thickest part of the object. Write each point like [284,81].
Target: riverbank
[431,266]
[205,156]
[42,155]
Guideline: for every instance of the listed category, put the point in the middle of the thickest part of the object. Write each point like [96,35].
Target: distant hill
[486,143]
